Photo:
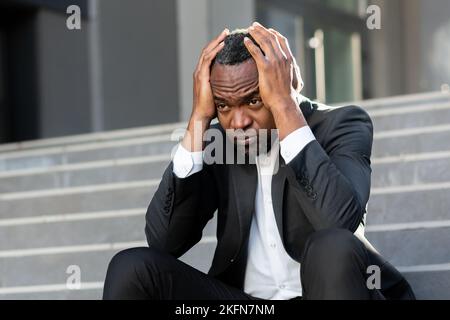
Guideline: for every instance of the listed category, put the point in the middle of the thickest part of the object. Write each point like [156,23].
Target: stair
[78,200]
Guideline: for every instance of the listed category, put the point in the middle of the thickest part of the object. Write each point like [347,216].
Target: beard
[249,146]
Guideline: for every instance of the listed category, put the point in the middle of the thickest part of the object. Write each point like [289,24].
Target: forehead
[239,78]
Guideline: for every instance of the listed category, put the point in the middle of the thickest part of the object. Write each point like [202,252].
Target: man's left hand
[279,78]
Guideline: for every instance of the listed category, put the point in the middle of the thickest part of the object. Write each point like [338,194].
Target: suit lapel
[278,184]
[279,179]
[244,179]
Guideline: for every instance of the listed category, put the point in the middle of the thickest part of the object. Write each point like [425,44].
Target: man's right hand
[203,98]
[203,109]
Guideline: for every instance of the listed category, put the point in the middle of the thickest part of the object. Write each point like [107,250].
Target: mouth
[245,140]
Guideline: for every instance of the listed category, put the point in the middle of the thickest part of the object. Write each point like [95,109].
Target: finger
[264,40]
[283,43]
[211,46]
[213,53]
[214,43]
[270,33]
[254,51]
[257,24]
[270,39]
[297,81]
[209,57]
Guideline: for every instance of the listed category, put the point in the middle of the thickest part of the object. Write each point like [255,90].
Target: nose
[240,119]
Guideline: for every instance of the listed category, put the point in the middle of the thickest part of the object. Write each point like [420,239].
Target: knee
[130,261]
[127,269]
[330,247]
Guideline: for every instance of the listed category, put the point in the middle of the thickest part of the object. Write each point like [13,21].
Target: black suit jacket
[327,185]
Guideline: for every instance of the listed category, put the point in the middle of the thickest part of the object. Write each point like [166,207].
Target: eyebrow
[245,98]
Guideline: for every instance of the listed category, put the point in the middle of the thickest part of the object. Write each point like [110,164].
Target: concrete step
[426,286]
[410,117]
[79,199]
[48,157]
[431,201]
[24,238]
[95,172]
[98,137]
[117,229]
[408,101]
[401,247]
[56,294]
[401,205]
[384,119]
[386,143]
[393,142]
[431,285]
[388,171]
[409,141]
[51,269]
[404,100]
[411,169]
[413,247]
[419,243]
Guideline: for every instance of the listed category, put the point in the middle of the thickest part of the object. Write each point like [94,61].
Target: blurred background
[87,116]
[131,63]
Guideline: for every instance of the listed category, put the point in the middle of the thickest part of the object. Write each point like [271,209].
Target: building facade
[131,62]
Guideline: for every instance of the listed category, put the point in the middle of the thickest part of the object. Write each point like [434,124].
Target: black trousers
[334,267]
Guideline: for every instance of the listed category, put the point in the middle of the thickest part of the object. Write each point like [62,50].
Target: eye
[221,107]
[255,102]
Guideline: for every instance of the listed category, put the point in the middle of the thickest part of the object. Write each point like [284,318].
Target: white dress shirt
[271,273]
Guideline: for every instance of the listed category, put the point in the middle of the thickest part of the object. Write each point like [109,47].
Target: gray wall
[63,76]
[387,54]
[231,13]
[192,17]
[2,89]
[139,66]
[435,35]
[198,22]
[411,52]
[131,65]
[137,59]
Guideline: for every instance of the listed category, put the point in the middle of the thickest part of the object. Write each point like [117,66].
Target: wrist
[199,117]
[193,139]
[288,118]
[284,106]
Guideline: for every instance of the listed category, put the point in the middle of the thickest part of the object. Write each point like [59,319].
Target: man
[296,232]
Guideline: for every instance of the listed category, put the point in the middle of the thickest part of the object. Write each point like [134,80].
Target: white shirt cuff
[186,163]
[294,143]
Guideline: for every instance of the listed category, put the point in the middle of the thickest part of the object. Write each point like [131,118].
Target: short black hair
[234,50]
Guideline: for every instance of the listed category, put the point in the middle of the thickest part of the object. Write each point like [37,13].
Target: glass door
[326,38]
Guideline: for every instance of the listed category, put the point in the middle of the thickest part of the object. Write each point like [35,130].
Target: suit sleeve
[333,180]
[179,210]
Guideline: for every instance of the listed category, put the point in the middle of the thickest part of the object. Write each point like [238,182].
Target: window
[326,39]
